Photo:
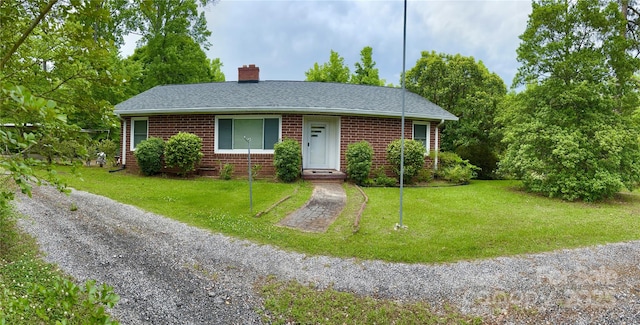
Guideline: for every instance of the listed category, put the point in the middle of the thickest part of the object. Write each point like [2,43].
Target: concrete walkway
[325,205]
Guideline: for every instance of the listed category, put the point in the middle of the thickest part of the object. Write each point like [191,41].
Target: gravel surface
[168,273]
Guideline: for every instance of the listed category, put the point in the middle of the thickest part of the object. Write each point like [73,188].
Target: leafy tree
[162,18]
[18,138]
[467,89]
[630,10]
[174,59]
[53,50]
[55,70]
[174,33]
[215,70]
[366,73]
[333,71]
[571,133]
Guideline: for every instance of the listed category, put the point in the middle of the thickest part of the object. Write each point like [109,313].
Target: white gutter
[278,109]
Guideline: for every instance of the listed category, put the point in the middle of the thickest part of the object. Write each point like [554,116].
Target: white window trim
[133,119]
[413,132]
[245,117]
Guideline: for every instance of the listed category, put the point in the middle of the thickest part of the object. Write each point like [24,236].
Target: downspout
[123,159]
[437,148]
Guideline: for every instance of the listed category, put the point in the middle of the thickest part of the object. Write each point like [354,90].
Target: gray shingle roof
[281,97]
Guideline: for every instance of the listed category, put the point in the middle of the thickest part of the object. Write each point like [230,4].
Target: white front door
[321,142]
[318,145]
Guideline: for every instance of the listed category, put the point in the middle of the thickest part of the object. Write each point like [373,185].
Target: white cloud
[285,38]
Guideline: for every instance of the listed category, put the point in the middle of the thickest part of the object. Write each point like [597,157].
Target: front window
[233,132]
[139,131]
[421,132]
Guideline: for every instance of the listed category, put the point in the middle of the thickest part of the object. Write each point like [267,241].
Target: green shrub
[183,150]
[255,170]
[385,181]
[149,155]
[446,159]
[425,175]
[226,172]
[414,153]
[73,149]
[380,178]
[359,159]
[572,141]
[482,156]
[454,169]
[287,158]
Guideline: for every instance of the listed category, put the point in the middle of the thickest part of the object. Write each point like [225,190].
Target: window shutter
[225,134]
[271,132]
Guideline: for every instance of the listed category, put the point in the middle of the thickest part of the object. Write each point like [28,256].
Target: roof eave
[269,109]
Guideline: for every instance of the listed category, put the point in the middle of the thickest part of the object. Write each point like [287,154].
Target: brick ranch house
[323,117]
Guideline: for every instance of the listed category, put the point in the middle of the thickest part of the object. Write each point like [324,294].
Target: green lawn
[481,220]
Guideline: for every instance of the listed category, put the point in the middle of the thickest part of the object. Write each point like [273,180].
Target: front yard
[482,220]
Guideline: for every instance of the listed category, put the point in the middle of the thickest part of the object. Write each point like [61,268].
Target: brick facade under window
[379,132]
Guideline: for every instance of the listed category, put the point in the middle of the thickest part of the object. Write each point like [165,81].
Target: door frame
[332,141]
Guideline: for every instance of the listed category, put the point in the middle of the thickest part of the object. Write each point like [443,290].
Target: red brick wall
[164,126]
[291,128]
[377,131]
[203,125]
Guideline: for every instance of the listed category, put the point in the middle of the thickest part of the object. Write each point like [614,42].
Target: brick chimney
[249,73]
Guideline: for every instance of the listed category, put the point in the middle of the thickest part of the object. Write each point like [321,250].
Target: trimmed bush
[287,158]
[183,150]
[414,153]
[149,156]
[454,169]
[359,160]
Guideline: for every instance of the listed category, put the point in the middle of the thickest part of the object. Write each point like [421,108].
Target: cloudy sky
[285,38]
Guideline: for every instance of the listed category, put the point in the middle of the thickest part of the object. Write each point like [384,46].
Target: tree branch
[27,32]
[59,84]
[24,67]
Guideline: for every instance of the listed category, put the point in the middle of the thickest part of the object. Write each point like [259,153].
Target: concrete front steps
[323,175]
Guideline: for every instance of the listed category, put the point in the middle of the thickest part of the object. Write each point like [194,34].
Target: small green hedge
[183,150]
[149,155]
[414,153]
[287,158]
[454,169]
[359,160]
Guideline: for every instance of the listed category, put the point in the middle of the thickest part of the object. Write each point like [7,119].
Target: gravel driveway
[169,273]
